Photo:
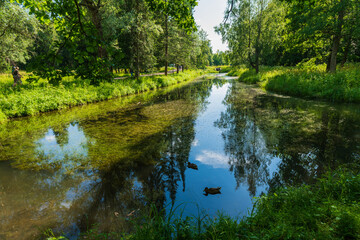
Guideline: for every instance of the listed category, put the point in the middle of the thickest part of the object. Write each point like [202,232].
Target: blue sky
[208,14]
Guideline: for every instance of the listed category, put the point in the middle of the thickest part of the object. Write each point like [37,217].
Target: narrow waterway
[105,163]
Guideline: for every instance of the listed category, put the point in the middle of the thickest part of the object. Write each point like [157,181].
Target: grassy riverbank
[329,209]
[307,81]
[34,97]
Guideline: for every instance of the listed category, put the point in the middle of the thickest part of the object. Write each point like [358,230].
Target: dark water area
[106,163]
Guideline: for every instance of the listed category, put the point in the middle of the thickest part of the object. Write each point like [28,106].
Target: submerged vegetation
[307,82]
[32,98]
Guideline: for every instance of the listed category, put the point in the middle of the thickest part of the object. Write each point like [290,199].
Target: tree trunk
[177,68]
[137,69]
[249,43]
[257,44]
[328,62]
[96,19]
[334,51]
[346,52]
[166,44]
[336,42]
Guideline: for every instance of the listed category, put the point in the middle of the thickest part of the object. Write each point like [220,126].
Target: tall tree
[244,30]
[17,34]
[204,57]
[324,19]
[81,30]
[142,32]
[179,11]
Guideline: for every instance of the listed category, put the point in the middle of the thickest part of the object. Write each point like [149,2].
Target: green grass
[224,68]
[39,96]
[307,82]
[329,209]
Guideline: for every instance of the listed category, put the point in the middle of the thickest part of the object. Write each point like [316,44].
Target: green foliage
[90,39]
[183,47]
[220,58]
[288,32]
[254,32]
[204,58]
[142,32]
[181,11]
[249,76]
[3,117]
[318,28]
[17,32]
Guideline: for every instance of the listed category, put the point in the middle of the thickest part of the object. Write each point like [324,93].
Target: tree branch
[3,33]
[62,45]
[79,17]
[227,15]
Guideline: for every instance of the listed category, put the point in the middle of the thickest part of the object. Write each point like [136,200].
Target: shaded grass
[39,96]
[329,209]
[315,83]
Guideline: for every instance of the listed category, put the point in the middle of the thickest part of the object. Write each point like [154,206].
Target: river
[100,165]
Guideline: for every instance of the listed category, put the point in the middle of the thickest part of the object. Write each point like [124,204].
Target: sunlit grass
[307,82]
[37,96]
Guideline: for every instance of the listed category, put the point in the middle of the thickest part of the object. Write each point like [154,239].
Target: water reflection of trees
[128,186]
[244,143]
[153,166]
[307,137]
[61,134]
[308,151]
[136,155]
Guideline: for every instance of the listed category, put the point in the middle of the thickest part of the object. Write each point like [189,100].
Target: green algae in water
[111,131]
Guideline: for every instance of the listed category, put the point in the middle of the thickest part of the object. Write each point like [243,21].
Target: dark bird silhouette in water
[212,191]
[192,165]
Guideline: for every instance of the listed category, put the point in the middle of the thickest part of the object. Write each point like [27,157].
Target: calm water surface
[96,164]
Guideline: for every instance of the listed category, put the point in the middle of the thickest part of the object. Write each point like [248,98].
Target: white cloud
[214,159]
[195,143]
[50,138]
